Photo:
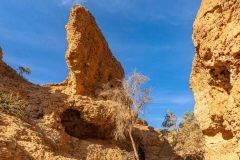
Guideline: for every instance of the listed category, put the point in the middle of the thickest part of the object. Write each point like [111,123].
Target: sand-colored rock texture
[75,119]
[89,58]
[215,78]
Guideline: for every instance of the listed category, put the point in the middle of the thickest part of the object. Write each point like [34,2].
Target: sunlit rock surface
[215,78]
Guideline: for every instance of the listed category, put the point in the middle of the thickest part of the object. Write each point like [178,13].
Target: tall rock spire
[89,59]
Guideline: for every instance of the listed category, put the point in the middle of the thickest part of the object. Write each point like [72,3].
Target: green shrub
[190,139]
[12,105]
[170,121]
[24,70]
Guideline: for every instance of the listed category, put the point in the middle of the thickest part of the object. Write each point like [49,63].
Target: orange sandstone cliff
[89,59]
[215,78]
[74,119]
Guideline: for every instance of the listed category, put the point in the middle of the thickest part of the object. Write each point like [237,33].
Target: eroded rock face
[215,76]
[89,58]
[59,121]
[75,119]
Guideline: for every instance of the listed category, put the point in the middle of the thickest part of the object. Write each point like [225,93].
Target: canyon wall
[215,77]
[75,119]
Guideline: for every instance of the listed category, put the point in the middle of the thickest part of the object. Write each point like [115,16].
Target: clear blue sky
[150,36]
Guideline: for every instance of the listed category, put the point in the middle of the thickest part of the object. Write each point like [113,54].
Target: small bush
[190,139]
[170,121]
[187,141]
[12,105]
[24,70]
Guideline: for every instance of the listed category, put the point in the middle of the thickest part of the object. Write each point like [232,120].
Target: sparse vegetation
[24,70]
[187,141]
[190,140]
[12,105]
[170,121]
[137,96]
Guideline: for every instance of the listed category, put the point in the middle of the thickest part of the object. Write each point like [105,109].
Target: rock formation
[89,58]
[59,122]
[74,119]
[215,78]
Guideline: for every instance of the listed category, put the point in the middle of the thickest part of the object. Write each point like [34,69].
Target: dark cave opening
[141,153]
[76,126]
[220,77]
[220,73]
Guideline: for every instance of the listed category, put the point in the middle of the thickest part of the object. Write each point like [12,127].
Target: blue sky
[150,36]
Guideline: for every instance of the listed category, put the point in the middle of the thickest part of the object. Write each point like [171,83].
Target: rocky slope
[215,78]
[73,119]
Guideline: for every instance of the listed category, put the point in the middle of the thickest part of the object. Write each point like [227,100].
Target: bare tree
[136,97]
